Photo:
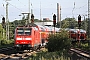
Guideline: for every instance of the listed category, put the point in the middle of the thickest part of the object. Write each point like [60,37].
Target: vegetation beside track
[59,41]
[49,56]
[85,45]
[6,43]
[58,47]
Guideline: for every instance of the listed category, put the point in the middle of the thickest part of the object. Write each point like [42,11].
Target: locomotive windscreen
[20,31]
[27,31]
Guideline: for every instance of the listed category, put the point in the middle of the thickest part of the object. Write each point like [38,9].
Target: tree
[59,41]
[69,23]
[1,32]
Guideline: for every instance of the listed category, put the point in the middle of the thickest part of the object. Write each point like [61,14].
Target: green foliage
[49,56]
[59,42]
[85,46]
[5,42]
[2,30]
[72,23]
[69,23]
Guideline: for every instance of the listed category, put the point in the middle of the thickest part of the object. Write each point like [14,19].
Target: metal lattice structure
[89,18]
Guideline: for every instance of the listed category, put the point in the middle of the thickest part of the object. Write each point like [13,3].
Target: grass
[45,55]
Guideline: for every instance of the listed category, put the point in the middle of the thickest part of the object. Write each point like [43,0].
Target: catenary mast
[59,14]
[7,21]
[89,18]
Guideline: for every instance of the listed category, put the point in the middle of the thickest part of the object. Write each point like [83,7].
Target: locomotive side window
[20,31]
[27,31]
[35,28]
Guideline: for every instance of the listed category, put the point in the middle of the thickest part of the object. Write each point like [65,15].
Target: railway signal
[79,21]
[54,20]
[3,22]
[32,18]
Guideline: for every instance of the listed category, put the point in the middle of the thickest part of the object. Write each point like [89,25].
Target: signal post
[32,18]
[3,25]
[54,22]
[79,25]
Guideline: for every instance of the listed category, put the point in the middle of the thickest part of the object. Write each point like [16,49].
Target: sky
[69,8]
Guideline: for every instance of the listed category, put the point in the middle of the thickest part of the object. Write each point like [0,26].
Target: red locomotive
[27,37]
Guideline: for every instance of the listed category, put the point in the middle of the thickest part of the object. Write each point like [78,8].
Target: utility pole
[60,16]
[29,11]
[88,22]
[40,10]
[7,21]
[40,14]
[85,27]
[89,18]
[84,23]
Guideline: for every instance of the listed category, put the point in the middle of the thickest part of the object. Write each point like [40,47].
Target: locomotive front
[22,37]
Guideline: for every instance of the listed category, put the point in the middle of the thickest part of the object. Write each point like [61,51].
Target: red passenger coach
[43,34]
[77,34]
[27,37]
[73,34]
[83,34]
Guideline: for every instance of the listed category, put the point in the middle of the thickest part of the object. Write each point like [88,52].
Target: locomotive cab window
[27,31]
[20,31]
[35,28]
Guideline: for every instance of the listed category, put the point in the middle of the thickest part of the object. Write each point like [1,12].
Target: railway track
[16,55]
[6,49]
[81,52]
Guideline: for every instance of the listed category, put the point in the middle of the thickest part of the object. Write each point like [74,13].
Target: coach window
[42,29]
[36,29]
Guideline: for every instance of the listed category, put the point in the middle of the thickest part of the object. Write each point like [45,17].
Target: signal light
[54,20]
[32,18]
[3,22]
[79,21]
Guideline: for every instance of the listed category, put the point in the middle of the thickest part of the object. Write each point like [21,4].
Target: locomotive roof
[76,30]
[31,25]
[81,30]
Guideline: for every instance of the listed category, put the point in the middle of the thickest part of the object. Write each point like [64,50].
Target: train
[77,34]
[32,36]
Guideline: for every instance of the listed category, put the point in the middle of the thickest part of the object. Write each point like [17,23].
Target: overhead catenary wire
[21,3]
[15,7]
[45,8]
[73,10]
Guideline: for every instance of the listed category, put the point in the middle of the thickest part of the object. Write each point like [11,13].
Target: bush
[59,41]
[5,42]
